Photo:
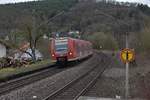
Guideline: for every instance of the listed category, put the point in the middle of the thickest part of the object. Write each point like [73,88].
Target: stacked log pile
[10,62]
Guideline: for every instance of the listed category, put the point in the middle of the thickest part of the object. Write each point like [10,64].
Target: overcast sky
[13,1]
[139,1]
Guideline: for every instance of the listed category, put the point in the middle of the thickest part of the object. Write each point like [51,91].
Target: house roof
[24,46]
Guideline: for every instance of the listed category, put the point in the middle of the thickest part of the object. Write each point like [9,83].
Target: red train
[70,49]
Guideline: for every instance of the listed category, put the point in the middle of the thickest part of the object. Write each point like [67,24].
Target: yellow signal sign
[127,55]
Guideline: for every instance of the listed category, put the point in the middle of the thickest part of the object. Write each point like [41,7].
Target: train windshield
[61,47]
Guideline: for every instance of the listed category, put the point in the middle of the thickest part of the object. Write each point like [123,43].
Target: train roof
[62,38]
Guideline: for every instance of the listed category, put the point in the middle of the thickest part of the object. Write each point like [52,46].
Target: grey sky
[139,1]
[13,1]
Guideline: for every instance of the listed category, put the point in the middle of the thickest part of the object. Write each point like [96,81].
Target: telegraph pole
[127,71]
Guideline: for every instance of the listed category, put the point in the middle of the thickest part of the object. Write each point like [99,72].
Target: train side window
[77,47]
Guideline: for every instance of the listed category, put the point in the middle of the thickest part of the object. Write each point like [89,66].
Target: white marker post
[127,81]
[127,72]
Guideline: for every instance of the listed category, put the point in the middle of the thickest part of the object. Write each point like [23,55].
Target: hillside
[13,15]
[111,18]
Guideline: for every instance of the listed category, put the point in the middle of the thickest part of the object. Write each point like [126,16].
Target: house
[3,49]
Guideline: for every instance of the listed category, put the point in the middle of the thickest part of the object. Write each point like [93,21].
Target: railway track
[28,79]
[79,85]
[17,83]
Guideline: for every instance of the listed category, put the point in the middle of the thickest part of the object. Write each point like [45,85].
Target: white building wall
[2,51]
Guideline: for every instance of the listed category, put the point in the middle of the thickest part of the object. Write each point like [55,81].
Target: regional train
[65,49]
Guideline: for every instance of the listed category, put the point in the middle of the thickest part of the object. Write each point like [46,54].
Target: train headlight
[53,55]
[70,53]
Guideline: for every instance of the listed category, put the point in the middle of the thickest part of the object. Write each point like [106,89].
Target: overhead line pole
[50,19]
[62,12]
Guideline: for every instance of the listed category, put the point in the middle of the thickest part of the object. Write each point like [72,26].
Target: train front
[59,50]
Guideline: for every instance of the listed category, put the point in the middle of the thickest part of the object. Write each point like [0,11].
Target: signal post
[127,55]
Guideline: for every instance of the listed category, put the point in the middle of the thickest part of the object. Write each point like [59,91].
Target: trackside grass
[7,73]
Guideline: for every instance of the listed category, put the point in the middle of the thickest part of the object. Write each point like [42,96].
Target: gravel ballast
[46,86]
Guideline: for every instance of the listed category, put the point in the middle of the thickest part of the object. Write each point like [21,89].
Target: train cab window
[61,47]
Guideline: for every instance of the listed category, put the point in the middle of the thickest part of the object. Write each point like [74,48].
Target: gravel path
[42,88]
[112,84]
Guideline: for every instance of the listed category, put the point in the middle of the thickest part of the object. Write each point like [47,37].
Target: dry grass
[6,72]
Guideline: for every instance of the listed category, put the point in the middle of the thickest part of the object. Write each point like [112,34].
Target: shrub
[103,41]
[144,41]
